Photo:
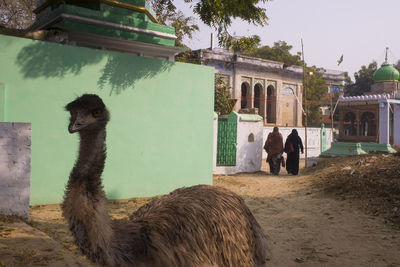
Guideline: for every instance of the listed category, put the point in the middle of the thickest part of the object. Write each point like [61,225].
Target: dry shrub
[372,180]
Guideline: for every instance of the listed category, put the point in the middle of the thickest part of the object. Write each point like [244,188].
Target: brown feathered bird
[195,226]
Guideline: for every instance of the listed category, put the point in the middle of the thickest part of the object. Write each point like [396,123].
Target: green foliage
[218,14]
[167,14]
[223,104]
[316,92]
[241,44]
[164,10]
[279,52]
[364,78]
[188,57]
[397,65]
[347,79]
[184,26]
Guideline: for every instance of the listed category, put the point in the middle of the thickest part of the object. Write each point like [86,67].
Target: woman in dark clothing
[293,145]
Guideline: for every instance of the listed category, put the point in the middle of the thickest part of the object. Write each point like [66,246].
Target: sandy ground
[304,226]
[308,228]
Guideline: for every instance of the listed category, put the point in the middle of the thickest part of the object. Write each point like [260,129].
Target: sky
[359,29]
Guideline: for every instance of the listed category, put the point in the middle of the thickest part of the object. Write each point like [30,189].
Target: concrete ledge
[373,147]
[343,149]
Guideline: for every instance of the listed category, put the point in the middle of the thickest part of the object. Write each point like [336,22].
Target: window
[367,124]
[245,92]
[251,138]
[350,124]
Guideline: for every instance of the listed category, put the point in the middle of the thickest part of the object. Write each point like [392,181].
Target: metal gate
[226,146]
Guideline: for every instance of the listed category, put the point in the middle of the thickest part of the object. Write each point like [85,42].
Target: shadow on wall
[121,72]
[48,60]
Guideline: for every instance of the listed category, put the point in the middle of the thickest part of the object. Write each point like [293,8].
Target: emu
[194,226]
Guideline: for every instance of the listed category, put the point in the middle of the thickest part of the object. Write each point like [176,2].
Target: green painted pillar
[323,138]
[2,102]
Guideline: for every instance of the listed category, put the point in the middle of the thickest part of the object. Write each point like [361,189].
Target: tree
[184,26]
[242,44]
[167,14]
[316,93]
[279,52]
[364,78]
[17,14]
[223,104]
[397,65]
[218,14]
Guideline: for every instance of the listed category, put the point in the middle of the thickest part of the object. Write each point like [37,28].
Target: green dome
[386,73]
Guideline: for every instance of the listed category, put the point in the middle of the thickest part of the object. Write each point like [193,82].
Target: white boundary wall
[215,137]
[313,139]
[248,154]
[15,156]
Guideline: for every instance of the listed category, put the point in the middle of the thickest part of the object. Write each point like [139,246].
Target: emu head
[88,113]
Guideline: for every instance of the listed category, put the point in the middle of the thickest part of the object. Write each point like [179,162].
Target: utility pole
[331,109]
[332,123]
[305,102]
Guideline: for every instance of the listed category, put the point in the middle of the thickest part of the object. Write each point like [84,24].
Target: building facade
[374,116]
[267,87]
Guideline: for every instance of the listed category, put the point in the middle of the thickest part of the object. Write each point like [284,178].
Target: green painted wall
[161,130]
[2,101]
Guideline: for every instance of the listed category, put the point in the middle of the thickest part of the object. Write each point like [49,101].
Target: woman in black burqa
[293,145]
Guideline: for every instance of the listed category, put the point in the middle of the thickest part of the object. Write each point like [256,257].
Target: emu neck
[84,203]
[90,163]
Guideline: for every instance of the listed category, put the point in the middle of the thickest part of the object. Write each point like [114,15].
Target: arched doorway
[258,100]
[368,124]
[245,94]
[271,104]
[350,124]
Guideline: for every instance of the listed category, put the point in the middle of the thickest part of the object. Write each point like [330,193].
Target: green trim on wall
[131,36]
[160,136]
[249,117]
[117,15]
[110,14]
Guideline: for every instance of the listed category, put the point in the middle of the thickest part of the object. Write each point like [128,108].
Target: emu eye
[96,113]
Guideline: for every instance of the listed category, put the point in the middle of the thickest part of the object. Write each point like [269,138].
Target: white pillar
[251,92]
[299,119]
[396,124]
[384,122]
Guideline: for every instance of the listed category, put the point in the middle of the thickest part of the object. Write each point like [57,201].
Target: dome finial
[386,56]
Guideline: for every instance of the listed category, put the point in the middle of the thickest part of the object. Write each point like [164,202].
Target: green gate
[226,146]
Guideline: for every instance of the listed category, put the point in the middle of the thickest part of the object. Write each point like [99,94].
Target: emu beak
[72,128]
[76,126]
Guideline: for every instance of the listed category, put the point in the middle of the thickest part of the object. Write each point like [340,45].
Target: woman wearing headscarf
[274,147]
[293,145]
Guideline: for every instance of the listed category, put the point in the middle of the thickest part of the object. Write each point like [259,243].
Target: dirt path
[305,227]
[24,246]
[308,228]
